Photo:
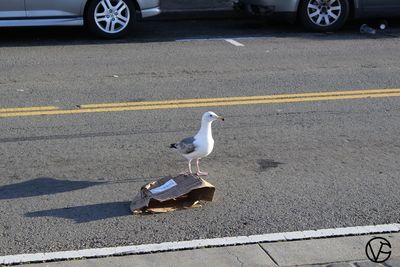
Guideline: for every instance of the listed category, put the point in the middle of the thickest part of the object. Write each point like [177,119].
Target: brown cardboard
[172,193]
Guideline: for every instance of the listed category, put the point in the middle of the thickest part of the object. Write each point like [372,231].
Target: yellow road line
[2,110]
[240,98]
[204,104]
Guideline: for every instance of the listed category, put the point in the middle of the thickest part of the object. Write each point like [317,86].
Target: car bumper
[149,8]
[150,12]
[253,9]
[281,10]
[281,6]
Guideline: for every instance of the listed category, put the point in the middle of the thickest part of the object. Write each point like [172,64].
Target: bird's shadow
[86,213]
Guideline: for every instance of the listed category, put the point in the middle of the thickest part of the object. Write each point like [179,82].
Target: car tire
[324,15]
[110,18]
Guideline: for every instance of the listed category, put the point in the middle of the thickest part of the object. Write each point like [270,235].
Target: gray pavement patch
[316,251]
[325,251]
[393,262]
[340,264]
[367,264]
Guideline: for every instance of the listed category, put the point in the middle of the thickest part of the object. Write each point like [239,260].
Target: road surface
[284,163]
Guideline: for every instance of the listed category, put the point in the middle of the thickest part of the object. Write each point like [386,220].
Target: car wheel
[324,15]
[110,18]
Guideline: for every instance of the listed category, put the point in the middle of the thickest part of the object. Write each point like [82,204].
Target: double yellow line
[205,102]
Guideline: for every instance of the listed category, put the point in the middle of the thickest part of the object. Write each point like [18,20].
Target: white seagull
[200,145]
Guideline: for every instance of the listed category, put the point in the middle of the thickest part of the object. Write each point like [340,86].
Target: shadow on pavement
[83,135]
[265,164]
[172,30]
[87,213]
[42,186]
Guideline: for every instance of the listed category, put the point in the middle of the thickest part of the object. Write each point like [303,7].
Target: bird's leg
[189,172]
[200,173]
[190,166]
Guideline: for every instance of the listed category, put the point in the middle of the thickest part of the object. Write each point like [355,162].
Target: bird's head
[211,116]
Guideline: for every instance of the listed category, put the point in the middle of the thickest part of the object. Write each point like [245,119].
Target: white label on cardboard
[168,185]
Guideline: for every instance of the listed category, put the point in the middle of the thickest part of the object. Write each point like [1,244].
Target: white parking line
[235,43]
[199,243]
[198,39]
[224,38]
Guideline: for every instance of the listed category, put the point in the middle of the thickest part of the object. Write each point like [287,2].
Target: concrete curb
[301,236]
[346,251]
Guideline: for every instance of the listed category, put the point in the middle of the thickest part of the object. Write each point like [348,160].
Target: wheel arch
[354,6]
[85,4]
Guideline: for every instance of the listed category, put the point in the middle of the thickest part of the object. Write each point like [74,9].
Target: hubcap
[324,12]
[112,16]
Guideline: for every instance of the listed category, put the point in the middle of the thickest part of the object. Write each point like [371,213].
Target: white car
[105,18]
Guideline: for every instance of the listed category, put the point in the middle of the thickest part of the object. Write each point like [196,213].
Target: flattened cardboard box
[172,193]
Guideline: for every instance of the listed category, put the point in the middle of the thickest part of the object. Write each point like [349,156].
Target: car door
[12,9]
[54,8]
[381,7]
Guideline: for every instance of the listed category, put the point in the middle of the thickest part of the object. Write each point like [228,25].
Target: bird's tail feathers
[173,146]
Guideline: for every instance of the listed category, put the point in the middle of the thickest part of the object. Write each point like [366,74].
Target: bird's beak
[221,118]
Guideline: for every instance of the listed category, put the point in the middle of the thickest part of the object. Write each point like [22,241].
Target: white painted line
[328,232]
[270,237]
[199,39]
[200,243]
[223,38]
[294,235]
[235,43]
[311,234]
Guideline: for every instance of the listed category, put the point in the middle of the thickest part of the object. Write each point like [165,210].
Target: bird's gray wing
[186,146]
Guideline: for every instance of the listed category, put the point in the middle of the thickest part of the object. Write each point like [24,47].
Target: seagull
[200,145]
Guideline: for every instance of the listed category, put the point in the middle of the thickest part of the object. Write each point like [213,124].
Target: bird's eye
[210,115]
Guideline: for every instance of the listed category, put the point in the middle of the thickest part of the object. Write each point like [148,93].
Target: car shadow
[86,213]
[167,30]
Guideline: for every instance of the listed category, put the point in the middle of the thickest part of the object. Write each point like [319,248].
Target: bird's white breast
[203,147]
[204,142]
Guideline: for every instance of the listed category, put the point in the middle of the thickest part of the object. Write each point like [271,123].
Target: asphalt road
[66,181]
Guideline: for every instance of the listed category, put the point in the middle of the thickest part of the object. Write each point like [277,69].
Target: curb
[199,243]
